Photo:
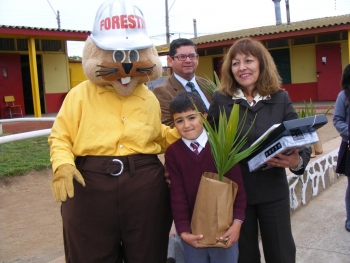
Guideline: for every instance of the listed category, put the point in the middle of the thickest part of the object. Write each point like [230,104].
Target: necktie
[191,86]
[195,146]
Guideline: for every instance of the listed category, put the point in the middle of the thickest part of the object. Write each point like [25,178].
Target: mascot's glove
[62,182]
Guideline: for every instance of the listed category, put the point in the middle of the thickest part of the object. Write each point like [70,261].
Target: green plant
[309,110]
[23,156]
[209,85]
[224,143]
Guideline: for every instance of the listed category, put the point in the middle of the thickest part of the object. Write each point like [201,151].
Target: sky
[211,16]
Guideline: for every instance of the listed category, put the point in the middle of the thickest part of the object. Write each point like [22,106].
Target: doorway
[328,70]
[27,85]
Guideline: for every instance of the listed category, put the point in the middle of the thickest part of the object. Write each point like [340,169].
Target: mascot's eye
[133,55]
[119,56]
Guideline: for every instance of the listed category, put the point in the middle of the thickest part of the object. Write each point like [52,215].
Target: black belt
[116,165]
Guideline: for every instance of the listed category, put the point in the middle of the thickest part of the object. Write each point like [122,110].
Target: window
[7,44]
[22,44]
[282,61]
[328,38]
[51,45]
[276,43]
[215,51]
[304,40]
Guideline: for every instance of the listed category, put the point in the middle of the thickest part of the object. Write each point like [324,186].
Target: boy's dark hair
[185,101]
[175,44]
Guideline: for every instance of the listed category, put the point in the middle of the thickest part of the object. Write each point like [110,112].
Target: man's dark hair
[185,101]
[175,44]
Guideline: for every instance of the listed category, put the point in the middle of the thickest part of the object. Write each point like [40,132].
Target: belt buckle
[121,167]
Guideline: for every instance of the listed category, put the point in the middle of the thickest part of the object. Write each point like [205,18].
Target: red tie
[195,146]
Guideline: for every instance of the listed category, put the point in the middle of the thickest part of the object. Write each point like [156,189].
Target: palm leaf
[310,110]
[224,142]
[209,85]
[327,110]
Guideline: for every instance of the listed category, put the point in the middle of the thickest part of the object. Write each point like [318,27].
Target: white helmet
[119,25]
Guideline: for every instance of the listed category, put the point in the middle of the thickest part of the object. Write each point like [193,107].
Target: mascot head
[119,52]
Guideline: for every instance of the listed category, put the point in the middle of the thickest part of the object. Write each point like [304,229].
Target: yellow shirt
[95,120]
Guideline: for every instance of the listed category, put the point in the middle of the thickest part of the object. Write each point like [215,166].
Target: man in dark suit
[183,59]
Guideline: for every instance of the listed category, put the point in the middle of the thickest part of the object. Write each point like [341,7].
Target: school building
[310,56]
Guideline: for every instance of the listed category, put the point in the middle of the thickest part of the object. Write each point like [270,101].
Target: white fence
[24,135]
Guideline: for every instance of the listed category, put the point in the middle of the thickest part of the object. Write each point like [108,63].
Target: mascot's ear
[93,56]
[150,55]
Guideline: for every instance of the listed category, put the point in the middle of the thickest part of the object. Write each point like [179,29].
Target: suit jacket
[270,184]
[166,91]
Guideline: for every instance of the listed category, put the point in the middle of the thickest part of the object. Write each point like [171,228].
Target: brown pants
[115,218]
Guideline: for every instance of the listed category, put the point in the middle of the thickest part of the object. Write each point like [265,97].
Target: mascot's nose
[127,67]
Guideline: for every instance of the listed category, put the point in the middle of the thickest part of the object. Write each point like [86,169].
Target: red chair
[11,108]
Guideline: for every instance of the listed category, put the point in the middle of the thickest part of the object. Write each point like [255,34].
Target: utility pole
[195,27]
[58,20]
[167,22]
[288,13]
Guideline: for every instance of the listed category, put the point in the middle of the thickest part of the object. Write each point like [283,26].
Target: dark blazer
[166,91]
[270,184]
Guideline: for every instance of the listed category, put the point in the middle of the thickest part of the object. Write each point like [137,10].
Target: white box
[301,138]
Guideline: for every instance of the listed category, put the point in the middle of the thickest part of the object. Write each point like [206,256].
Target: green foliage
[75,57]
[309,110]
[23,156]
[209,85]
[224,143]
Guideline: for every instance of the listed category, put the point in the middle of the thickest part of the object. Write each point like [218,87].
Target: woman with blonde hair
[249,77]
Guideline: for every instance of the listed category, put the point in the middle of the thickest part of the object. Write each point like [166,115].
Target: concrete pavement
[318,228]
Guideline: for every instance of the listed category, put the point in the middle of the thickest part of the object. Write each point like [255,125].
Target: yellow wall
[55,73]
[76,73]
[303,64]
[205,67]
[344,47]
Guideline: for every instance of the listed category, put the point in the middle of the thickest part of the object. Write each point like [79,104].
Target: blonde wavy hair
[269,81]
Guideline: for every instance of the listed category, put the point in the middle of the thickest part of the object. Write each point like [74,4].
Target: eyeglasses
[183,57]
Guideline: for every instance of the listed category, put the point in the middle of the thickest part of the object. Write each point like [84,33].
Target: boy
[186,160]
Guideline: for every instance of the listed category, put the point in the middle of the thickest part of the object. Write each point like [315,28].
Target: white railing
[25,135]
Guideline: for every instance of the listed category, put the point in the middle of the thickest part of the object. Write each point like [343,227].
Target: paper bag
[213,210]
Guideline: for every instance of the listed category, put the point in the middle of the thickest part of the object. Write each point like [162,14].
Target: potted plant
[213,211]
[307,111]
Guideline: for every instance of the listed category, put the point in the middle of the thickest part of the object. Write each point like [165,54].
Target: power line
[172,6]
[57,15]
[52,7]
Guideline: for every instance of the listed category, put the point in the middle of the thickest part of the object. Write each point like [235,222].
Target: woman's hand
[192,239]
[232,234]
[285,161]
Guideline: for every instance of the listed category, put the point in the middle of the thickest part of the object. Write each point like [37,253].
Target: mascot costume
[104,145]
